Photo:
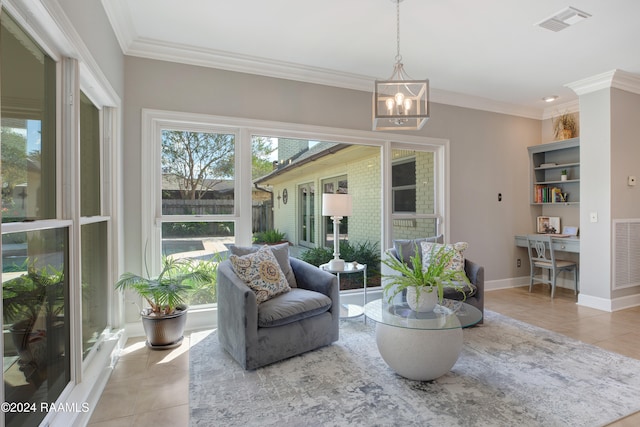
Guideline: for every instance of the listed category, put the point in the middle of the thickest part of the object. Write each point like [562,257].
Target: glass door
[307,214]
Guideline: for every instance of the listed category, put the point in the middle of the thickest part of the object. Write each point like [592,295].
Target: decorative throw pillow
[457,261]
[406,248]
[261,272]
[281,251]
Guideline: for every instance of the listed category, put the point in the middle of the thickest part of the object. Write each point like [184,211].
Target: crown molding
[173,52]
[478,103]
[120,20]
[556,110]
[618,79]
[187,54]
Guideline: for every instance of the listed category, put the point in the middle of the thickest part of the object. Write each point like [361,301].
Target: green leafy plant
[168,291]
[563,172]
[206,293]
[317,256]
[25,296]
[434,278]
[269,236]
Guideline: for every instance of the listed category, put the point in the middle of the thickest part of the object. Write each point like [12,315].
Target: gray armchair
[473,295]
[285,326]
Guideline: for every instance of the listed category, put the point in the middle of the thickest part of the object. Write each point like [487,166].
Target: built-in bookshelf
[548,162]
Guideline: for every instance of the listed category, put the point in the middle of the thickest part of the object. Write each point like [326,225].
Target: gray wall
[625,128]
[488,150]
[91,22]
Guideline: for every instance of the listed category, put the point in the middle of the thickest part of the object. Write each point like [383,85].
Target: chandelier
[400,102]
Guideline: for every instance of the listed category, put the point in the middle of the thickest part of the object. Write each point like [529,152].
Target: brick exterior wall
[365,186]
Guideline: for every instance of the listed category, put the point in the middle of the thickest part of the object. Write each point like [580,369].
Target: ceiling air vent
[563,19]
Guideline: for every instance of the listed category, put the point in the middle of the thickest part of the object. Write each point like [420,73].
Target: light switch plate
[593,217]
[631,180]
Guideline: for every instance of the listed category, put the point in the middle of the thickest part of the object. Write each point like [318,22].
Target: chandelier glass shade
[400,102]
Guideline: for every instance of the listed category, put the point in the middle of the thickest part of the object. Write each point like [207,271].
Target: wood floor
[151,388]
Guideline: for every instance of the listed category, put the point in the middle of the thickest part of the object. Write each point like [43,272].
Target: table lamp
[336,206]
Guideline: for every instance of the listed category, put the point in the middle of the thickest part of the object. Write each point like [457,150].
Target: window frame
[55,35]
[154,120]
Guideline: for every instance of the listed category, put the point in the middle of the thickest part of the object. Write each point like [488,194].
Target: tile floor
[151,388]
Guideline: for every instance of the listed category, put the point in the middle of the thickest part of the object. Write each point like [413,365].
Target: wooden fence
[262,211]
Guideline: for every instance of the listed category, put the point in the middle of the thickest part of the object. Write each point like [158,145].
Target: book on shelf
[548,194]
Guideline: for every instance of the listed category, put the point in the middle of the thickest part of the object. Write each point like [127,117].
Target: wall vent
[626,253]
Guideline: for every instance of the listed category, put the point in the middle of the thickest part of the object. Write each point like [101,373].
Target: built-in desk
[565,244]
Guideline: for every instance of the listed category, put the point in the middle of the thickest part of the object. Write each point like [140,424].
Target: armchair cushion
[292,306]
[261,272]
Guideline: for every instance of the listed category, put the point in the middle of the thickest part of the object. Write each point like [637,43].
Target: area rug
[509,374]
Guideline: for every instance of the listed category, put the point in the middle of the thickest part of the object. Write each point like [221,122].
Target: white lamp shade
[336,204]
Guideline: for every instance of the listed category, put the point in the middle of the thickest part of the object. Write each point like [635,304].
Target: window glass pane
[296,172]
[27,121]
[35,296]
[404,173]
[197,173]
[89,157]
[94,284]
[403,182]
[404,200]
[264,160]
[204,241]
[413,192]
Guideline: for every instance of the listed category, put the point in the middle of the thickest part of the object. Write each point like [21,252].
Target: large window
[414,195]
[28,81]
[35,253]
[198,186]
[35,291]
[94,230]
[56,234]
[278,173]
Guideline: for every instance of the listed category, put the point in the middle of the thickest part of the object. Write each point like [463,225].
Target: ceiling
[481,54]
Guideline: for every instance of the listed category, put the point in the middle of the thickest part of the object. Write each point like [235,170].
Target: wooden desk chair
[542,255]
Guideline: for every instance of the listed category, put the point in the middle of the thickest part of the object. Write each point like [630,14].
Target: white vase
[563,177]
[423,303]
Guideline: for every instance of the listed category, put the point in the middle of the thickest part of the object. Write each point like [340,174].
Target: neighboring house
[306,169]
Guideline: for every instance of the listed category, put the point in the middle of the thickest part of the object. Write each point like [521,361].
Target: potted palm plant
[165,318]
[424,287]
[34,306]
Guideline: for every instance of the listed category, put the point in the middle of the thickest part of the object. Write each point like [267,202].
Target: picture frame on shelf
[548,224]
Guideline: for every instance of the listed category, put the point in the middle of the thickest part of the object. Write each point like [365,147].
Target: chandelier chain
[398,56]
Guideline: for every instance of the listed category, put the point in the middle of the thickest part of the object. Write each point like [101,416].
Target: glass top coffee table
[421,346]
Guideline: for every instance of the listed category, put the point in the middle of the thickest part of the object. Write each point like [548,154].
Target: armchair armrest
[312,278]
[475,273]
[237,312]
